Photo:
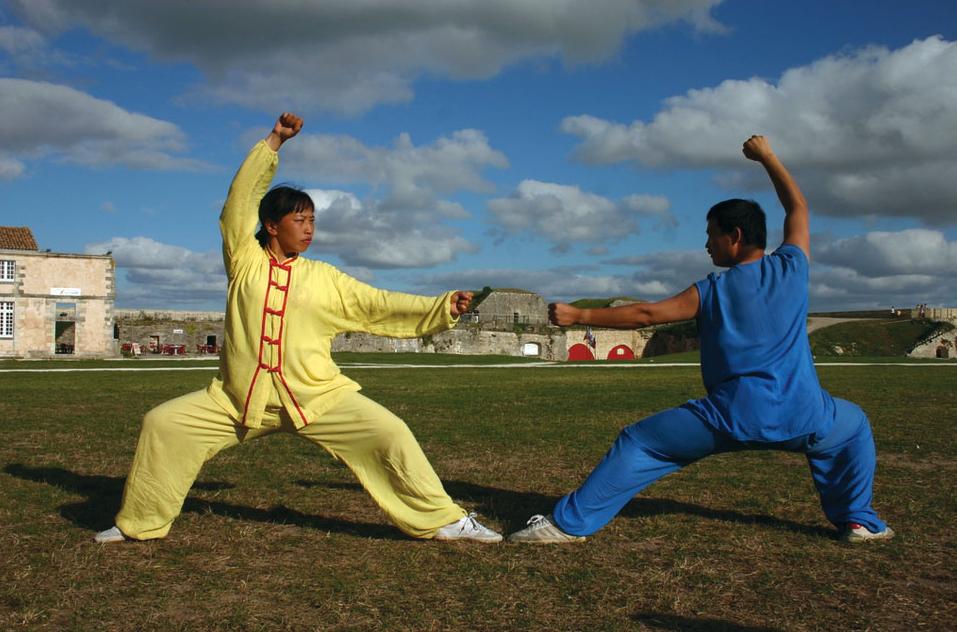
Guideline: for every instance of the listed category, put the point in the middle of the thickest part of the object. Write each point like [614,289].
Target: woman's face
[293,233]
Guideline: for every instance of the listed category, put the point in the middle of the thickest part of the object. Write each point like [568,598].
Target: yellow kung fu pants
[183,433]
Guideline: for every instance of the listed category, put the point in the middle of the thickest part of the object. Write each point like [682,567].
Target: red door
[621,352]
[580,352]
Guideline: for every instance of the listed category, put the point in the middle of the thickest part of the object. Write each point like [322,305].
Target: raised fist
[287,126]
[757,148]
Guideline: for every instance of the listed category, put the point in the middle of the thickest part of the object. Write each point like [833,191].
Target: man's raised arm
[797,229]
[683,306]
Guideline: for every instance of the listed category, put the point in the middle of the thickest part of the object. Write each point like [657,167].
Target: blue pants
[842,465]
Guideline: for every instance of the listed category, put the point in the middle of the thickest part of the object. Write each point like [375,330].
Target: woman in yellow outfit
[276,372]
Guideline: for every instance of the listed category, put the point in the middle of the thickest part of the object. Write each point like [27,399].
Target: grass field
[276,535]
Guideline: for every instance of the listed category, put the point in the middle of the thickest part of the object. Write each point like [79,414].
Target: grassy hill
[872,337]
[591,303]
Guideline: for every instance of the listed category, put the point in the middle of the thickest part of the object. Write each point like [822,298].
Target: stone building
[506,308]
[606,344]
[53,304]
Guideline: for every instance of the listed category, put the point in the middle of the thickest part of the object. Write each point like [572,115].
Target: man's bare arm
[683,306]
[797,229]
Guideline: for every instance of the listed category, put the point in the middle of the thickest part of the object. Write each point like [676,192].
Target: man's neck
[752,254]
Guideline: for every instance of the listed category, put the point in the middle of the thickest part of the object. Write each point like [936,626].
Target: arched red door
[580,352]
[621,352]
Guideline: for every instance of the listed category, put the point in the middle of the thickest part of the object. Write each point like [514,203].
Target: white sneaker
[855,533]
[541,530]
[468,528]
[110,535]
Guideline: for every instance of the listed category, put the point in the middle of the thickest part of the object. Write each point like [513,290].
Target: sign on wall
[65,291]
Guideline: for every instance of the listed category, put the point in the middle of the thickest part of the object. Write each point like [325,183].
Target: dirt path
[820,322]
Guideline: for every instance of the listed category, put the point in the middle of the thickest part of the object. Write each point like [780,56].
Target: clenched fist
[460,303]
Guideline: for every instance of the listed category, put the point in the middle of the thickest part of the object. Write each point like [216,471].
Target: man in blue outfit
[763,391]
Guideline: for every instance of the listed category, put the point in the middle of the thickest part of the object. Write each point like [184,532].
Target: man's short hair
[744,214]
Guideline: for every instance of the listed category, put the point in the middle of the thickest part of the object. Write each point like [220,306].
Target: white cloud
[560,284]
[368,237]
[873,271]
[843,289]
[10,168]
[879,269]
[350,55]
[869,133]
[409,176]
[402,222]
[565,214]
[39,118]
[907,252]
[672,270]
[154,274]
[18,41]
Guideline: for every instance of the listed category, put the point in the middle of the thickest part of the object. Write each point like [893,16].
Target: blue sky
[569,148]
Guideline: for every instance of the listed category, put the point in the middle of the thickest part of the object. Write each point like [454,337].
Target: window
[7,270]
[6,319]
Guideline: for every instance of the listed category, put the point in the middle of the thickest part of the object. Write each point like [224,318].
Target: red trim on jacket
[262,335]
[277,341]
[282,330]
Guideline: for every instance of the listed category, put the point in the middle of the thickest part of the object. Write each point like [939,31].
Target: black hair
[744,214]
[279,202]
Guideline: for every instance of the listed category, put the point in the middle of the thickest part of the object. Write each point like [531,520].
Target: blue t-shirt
[755,357]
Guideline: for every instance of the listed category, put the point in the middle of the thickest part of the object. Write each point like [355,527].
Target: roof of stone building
[480,296]
[512,290]
[17,238]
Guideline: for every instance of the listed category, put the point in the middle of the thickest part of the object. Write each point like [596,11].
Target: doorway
[64,331]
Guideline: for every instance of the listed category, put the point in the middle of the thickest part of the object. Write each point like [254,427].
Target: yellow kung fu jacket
[281,316]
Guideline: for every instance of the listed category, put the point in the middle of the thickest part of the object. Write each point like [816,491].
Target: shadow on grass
[663,621]
[103,495]
[513,508]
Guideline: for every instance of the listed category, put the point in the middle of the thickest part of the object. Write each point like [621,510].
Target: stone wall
[461,341]
[941,313]
[155,330]
[159,314]
[474,341]
[367,343]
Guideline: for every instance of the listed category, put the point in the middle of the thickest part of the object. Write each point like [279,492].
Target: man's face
[720,246]
[293,233]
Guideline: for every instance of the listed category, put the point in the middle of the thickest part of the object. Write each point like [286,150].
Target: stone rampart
[463,341]
[549,346]
[159,314]
[941,345]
